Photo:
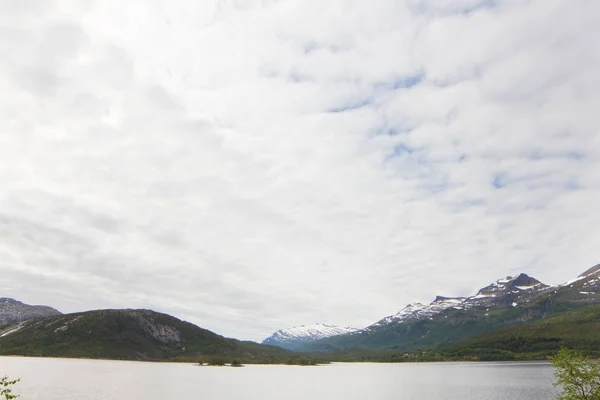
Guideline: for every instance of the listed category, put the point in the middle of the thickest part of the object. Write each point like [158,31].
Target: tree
[577,375]
[6,388]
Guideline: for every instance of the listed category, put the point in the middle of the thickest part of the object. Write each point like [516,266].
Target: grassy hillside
[130,335]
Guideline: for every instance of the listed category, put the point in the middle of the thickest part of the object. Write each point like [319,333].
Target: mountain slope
[576,329]
[583,289]
[12,311]
[295,337]
[124,334]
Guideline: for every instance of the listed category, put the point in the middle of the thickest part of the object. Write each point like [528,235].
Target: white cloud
[251,165]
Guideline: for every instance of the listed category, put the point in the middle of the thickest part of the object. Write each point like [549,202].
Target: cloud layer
[250,165]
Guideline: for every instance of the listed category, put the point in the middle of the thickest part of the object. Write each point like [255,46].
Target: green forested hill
[577,329]
[127,334]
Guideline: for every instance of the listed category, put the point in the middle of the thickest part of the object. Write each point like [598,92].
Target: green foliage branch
[576,375]
[6,388]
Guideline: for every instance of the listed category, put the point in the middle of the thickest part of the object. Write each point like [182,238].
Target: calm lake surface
[67,379]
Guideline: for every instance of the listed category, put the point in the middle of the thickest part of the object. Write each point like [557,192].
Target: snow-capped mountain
[419,311]
[293,338]
[12,311]
[506,302]
[506,292]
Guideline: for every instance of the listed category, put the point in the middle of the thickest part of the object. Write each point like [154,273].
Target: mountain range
[507,302]
[512,318]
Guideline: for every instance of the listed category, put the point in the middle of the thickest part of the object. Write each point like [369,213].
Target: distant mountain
[507,302]
[128,335]
[12,311]
[295,337]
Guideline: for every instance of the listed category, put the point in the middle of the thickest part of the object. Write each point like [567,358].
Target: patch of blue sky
[574,155]
[482,5]
[531,182]
[572,185]
[350,106]
[569,155]
[408,82]
[430,7]
[465,205]
[400,83]
[402,150]
[498,181]
[392,131]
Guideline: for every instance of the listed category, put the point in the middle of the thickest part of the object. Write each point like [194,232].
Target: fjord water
[68,379]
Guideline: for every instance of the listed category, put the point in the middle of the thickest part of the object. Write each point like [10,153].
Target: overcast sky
[250,165]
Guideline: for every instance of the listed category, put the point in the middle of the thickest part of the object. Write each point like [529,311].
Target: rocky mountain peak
[510,284]
[524,280]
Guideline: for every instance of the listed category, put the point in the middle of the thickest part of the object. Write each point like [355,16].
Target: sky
[251,165]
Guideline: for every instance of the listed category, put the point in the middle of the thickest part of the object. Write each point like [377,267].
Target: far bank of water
[69,379]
